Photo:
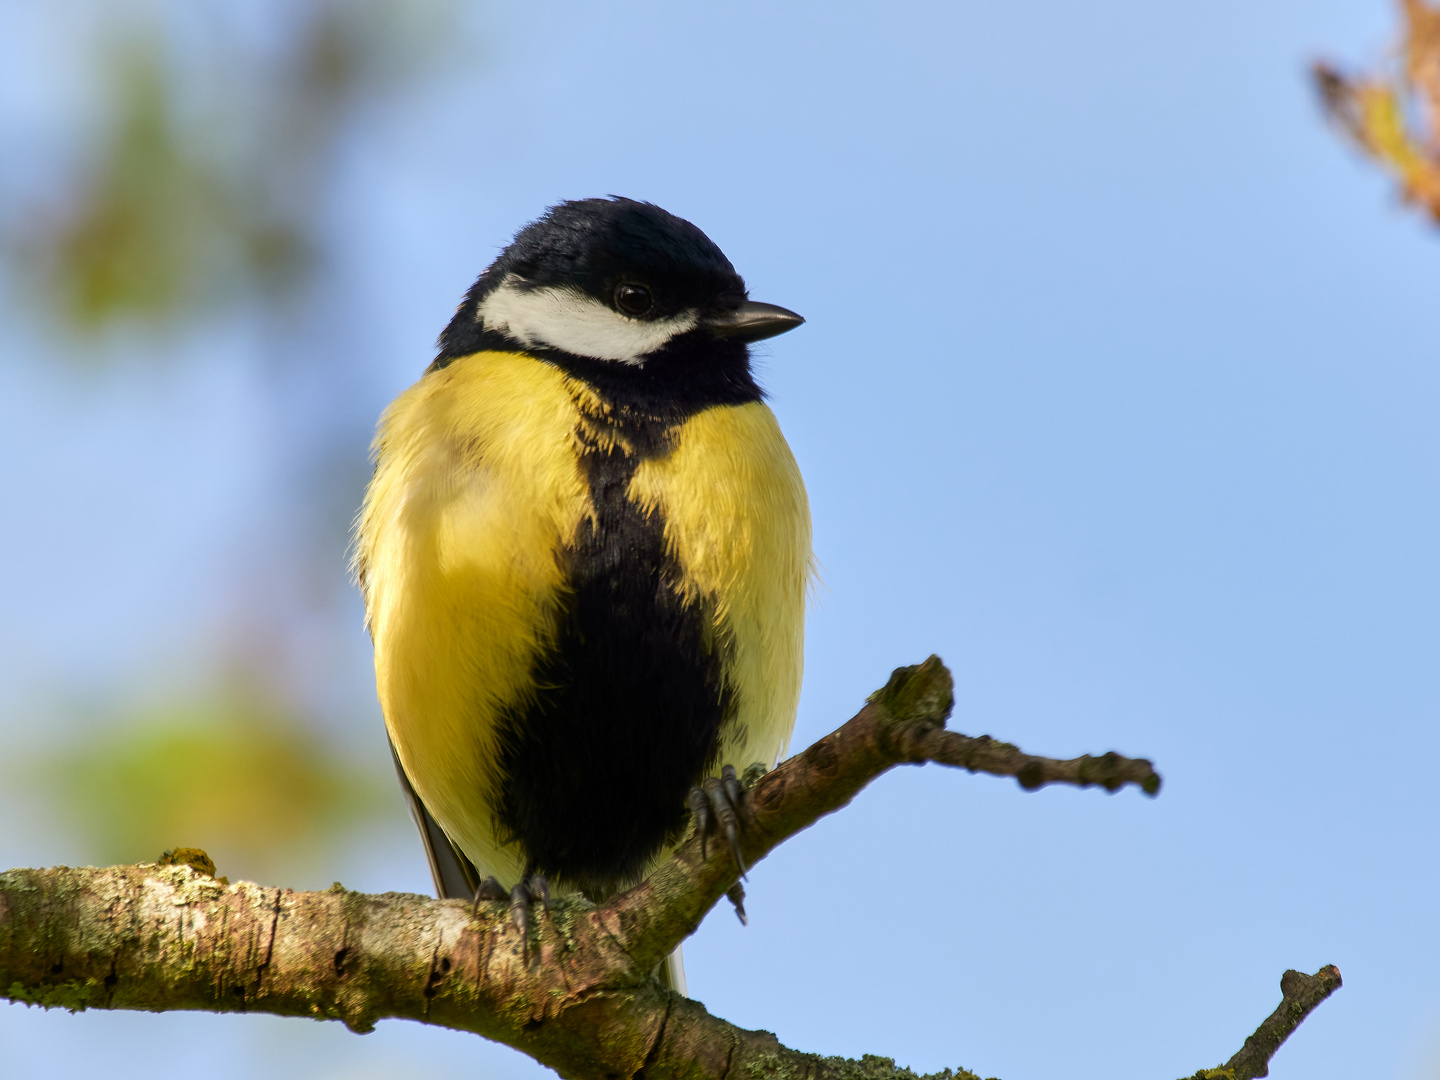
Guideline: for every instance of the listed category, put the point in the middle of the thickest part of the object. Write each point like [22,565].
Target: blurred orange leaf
[1395,118]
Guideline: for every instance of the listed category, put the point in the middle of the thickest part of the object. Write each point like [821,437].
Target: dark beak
[752,321]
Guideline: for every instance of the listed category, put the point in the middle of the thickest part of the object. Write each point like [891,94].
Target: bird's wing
[476,488]
[455,875]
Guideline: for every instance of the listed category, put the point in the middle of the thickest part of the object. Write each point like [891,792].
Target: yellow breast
[738,521]
[477,488]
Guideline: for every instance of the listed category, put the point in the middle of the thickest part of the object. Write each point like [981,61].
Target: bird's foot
[532,889]
[715,805]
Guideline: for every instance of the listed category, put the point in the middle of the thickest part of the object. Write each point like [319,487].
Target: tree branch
[1300,994]
[902,723]
[574,990]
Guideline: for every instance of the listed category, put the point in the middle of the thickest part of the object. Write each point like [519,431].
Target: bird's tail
[672,971]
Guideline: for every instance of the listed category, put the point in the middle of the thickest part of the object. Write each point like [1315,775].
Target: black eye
[633,299]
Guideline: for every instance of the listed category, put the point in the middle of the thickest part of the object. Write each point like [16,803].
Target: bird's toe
[532,889]
[715,805]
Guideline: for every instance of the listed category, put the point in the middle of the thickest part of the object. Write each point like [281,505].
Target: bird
[585,553]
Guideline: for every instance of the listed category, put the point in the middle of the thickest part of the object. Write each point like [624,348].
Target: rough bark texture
[573,989]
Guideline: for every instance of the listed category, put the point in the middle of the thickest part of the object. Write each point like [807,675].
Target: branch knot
[920,694]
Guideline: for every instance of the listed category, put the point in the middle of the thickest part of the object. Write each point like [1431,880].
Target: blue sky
[1117,391]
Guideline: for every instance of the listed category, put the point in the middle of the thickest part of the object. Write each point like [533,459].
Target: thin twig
[1111,771]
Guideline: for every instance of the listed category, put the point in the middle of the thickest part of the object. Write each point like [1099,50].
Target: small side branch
[1111,771]
[1300,994]
[902,723]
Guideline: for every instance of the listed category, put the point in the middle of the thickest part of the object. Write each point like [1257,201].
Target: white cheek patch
[568,320]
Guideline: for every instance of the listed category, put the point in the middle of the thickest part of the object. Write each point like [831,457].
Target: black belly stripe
[629,704]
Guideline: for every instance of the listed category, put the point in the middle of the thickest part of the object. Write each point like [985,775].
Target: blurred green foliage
[208,185]
[240,776]
[206,189]
[158,221]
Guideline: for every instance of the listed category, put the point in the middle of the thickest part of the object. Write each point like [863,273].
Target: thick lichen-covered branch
[575,988]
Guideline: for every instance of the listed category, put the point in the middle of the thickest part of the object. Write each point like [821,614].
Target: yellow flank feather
[478,487]
[738,522]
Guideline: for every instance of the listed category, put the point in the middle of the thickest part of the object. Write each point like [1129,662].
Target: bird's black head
[634,300]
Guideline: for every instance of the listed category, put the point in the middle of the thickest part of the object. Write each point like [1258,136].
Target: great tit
[584,554]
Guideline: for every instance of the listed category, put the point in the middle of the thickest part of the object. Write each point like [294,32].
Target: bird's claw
[736,896]
[489,889]
[529,890]
[715,805]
